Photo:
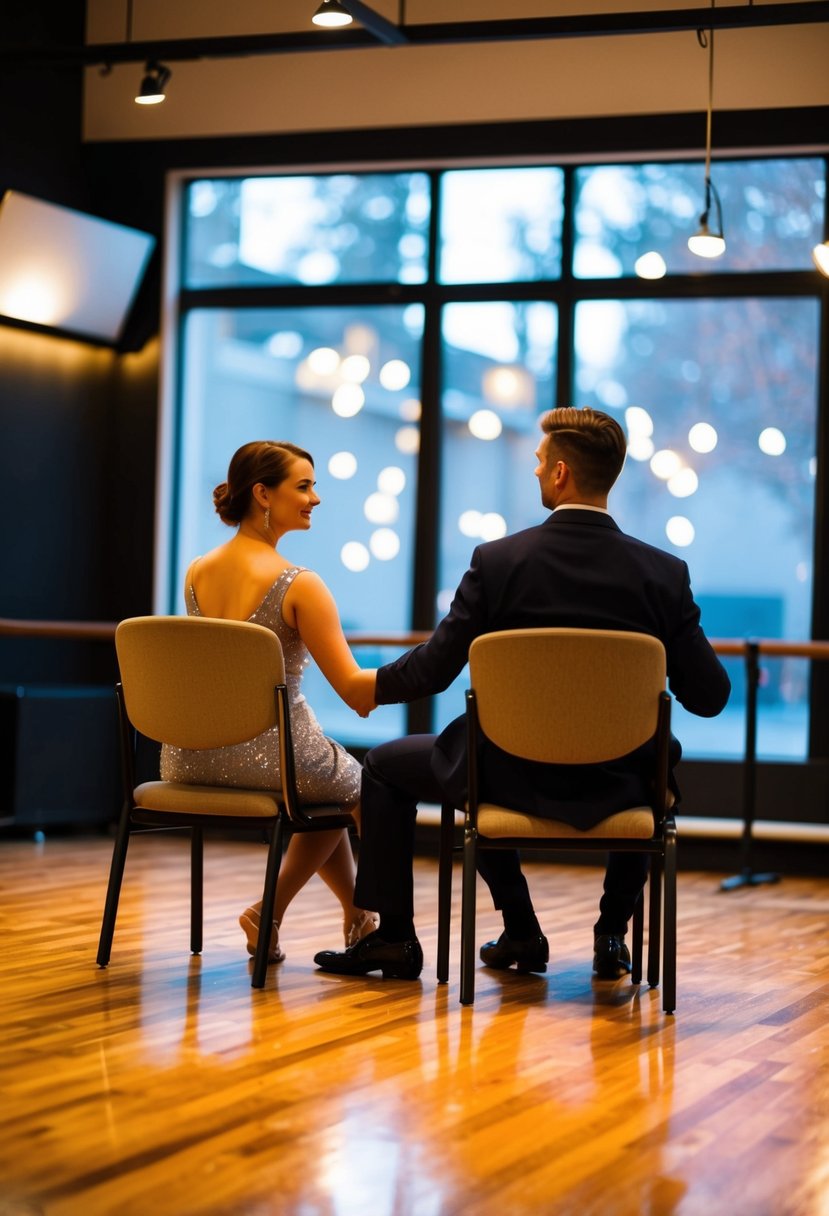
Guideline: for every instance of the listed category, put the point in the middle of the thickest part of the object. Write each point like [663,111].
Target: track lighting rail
[577,25]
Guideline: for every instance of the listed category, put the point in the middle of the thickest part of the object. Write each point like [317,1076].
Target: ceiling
[374,29]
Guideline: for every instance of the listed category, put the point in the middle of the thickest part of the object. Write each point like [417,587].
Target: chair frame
[290,817]
[661,847]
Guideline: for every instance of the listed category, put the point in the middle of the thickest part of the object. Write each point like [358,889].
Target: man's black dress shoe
[528,954]
[396,960]
[611,957]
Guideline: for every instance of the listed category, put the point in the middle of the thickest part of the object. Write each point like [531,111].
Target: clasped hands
[361,692]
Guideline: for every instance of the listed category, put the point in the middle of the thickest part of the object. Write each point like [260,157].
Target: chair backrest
[567,696]
[198,682]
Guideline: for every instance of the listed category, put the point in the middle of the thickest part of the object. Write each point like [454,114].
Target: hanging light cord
[710,101]
[706,40]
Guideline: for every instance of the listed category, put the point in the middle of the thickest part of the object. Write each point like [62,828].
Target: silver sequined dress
[325,772]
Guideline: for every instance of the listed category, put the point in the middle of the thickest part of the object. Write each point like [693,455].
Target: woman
[270,491]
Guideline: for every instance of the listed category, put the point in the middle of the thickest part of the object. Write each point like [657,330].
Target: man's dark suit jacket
[576,570]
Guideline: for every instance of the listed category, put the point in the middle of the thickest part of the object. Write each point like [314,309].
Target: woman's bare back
[232,580]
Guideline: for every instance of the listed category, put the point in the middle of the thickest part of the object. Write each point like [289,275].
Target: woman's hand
[360,694]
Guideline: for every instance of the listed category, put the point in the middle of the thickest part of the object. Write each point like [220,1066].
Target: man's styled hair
[590,442]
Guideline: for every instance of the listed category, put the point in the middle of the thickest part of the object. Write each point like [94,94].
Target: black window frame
[564,293]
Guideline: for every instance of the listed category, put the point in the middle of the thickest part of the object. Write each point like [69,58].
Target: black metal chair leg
[470,842]
[196,889]
[116,876]
[260,958]
[638,929]
[655,920]
[669,967]
[447,840]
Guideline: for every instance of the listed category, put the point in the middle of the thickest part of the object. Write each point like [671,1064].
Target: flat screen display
[67,270]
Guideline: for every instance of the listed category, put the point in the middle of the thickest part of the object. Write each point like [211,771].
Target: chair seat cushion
[205,799]
[494,821]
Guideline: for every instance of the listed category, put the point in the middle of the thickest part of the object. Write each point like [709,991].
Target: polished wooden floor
[166,1085]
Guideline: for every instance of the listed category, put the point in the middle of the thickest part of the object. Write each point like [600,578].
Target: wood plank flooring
[166,1085]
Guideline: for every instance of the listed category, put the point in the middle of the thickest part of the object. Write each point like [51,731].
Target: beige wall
[404,86]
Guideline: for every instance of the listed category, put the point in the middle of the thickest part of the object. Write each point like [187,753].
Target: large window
[341,228]
[409,328]
[773,213]
[342,383]
[721,470]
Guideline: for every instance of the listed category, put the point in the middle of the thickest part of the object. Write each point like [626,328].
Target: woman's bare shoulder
[307,584]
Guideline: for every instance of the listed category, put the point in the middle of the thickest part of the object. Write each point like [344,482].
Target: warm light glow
[285,344]
[680,531]
[772,441]
[354,556]
[640,447]
[487,526]
[331,15]
[33,298]
[411,409]
[683,483]
[342,465]
[384,544]
[820,257]
[702,437]
[706,244]
[485,424]
[153,84]
[407,440]
[508,386]
[665,463]
[395,375]
[348,400]
[469,523]
[650,266]
[493,526]
[444,599]
[359,338]
[638,421]
[391,480]
[323,361]
[355,368]
[381,508]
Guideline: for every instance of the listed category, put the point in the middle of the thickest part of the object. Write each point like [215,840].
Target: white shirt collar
[580,506]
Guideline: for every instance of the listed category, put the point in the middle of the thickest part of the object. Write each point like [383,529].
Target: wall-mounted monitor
[66,270]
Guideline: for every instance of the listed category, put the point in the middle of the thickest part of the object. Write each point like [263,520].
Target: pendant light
[708,241]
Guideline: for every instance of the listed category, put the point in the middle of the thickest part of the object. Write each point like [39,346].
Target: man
[576,569]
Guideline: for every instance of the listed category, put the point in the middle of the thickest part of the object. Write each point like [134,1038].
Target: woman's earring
[267,519]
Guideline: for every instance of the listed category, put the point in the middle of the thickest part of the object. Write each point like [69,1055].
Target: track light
[820,257]
[153,85]
[331,14]
[709,242]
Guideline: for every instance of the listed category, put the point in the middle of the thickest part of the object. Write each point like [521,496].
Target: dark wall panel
[40,148]
[77,423]
[127,569]
[55,408]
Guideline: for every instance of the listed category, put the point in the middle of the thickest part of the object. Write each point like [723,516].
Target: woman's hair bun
[223,502]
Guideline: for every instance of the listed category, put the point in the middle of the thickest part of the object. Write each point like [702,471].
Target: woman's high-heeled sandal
[250,920]
[363,924]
